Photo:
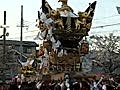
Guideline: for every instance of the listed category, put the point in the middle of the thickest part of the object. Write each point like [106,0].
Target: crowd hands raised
[67,83]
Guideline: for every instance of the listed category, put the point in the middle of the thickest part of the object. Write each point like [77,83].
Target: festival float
[62,33]
[28,68]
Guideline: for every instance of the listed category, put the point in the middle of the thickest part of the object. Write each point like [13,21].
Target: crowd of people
[67,83]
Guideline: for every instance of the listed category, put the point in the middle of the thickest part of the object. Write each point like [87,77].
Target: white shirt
[104,87]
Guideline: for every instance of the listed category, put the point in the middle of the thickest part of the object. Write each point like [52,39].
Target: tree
[108,52]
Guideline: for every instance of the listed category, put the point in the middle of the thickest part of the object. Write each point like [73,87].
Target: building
[9,64]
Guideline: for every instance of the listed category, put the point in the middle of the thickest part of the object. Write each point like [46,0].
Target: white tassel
[43,17]
[60,54]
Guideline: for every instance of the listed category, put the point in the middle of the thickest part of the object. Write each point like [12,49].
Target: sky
[105,14]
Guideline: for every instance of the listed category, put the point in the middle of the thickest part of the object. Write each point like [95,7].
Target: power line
[113,31]
[102,26]
[26,23]
[107,17]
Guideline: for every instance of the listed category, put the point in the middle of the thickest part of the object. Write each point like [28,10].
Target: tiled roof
[17,43]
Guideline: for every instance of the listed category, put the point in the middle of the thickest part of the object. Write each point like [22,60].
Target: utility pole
[4,38]
[4,47]
[21,32]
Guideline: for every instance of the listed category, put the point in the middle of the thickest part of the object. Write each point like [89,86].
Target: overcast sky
[105,14]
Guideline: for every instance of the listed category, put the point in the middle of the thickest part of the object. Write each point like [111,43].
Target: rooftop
[17,43]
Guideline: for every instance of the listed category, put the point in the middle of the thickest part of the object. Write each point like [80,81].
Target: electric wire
[29,23]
